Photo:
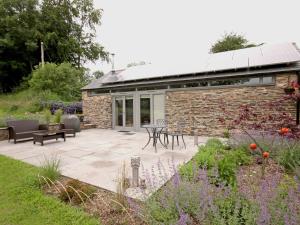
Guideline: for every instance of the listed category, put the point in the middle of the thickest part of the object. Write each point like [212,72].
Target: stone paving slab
[96,156]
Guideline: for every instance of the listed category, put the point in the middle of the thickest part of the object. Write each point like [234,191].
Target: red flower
[284,131]
[253,146]
[266,154]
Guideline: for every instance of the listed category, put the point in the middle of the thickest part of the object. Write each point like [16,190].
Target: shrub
[214,143]
[58,113]
[63,80]
[234,209]
[47,116]
[188,170]
[51,168]
[68,108]
[14,108]
[180,200]
[284,207]
[289,157]
[83,191]
[228,165]
[213,155]
[226,170]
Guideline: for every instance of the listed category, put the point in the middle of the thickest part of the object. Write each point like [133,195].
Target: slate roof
[253,59]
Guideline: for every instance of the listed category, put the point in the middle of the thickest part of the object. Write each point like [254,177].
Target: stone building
[130,98]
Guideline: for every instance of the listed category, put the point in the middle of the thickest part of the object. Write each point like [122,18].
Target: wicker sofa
[21,129]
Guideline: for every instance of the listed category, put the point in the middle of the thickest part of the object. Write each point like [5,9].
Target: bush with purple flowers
[67,108]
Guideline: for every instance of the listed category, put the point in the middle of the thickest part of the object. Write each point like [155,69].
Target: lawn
[22,201]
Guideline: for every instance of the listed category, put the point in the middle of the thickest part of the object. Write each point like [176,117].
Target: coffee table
[50,135]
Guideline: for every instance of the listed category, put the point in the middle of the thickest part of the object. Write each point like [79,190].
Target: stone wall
[3,134]
[98,109]
[201,109]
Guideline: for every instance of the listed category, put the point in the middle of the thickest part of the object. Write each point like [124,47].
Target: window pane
[158,107]
[176,86]
[268,80]
[119,112]
[145,108]
[203,83]
[224,82]
[250,81]
[129,111]
[192,85]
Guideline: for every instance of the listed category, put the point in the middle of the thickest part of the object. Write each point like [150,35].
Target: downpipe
[298,102]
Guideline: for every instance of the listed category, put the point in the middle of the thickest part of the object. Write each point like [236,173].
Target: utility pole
[42,54]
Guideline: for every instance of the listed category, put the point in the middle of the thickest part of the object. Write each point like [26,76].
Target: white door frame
[136,108]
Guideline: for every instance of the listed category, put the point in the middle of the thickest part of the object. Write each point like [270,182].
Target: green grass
[22,201]
[24,105]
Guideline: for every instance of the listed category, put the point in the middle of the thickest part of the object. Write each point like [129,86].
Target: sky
[176,32]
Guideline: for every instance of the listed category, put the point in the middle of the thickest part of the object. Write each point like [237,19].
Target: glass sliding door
[145,109]
[131,111]
[124,114]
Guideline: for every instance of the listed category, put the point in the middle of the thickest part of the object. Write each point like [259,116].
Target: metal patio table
[154,131]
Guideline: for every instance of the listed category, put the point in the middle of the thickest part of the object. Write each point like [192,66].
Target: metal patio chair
[164,131]
[177,133]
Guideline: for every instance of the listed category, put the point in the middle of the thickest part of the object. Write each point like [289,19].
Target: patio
[96,156]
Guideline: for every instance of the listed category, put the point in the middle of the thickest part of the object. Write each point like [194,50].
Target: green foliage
[67,29]
[234,210]
[83,191]
[214,143]
[63,80]
[189,170]
[289,157]
[50,169]
[284,205]
[57,116]
[165,207]
[231,41]
[226,170]
[213,155]
[199,203]
[24,203]
[47,116]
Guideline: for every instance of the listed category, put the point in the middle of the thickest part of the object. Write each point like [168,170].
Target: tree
[18,41]
[67,28]
[98,74]
[70,26]
[231,41]
[63,80]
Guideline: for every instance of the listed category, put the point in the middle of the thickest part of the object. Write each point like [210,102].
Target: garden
[49,88]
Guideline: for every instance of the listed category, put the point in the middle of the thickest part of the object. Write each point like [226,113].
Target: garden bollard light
[135,164]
